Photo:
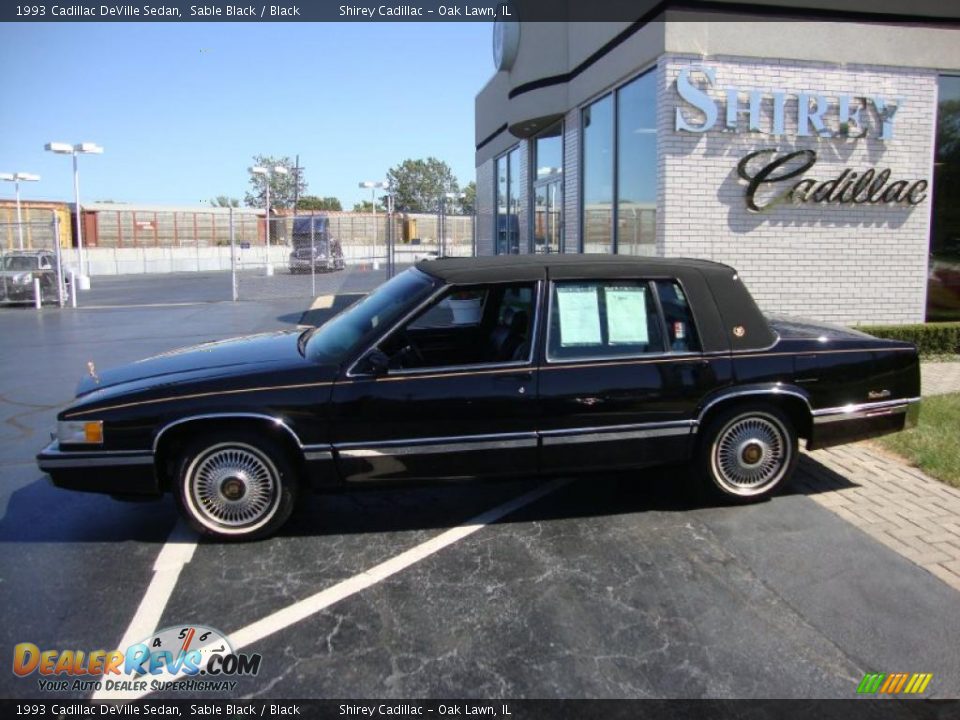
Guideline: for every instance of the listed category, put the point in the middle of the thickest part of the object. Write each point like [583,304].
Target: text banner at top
[632,11]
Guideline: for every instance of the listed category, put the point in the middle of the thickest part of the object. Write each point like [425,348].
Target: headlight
[87,432]
[22,279]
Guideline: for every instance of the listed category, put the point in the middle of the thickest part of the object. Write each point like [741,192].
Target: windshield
[19,262]
[342,335]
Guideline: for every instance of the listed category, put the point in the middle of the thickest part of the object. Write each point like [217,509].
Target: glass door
[547,216]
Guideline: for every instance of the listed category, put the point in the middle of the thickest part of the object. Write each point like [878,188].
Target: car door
[451,400]
[620,382]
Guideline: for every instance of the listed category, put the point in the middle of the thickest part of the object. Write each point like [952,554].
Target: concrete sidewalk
[902,507]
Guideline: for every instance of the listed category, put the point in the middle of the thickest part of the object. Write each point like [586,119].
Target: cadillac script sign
[773,176]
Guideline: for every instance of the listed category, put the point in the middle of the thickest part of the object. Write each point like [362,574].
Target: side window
[467,325]
[456,308]
[681,332]
[603,319]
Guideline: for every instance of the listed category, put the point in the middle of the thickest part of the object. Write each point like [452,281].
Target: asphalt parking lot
[605,586]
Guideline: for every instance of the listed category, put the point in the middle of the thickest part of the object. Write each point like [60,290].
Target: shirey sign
[773,176]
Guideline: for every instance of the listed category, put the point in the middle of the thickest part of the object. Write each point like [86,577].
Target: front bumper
[103,471]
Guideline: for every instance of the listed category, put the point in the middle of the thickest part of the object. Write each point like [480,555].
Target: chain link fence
[342,253]
[33,264]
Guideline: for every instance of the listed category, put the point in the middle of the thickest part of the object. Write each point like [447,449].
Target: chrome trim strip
[604,436]
[318,455]
[667,424]
[208,416]
[409,442]
[78,462]
[863,410]
[756,391]
[437,448]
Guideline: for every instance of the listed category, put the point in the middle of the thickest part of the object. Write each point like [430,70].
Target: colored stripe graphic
[894,683]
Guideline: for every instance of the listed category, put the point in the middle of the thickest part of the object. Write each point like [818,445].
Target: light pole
[443,219]
[373,186]
[16,179]
[87,148]
[267,174]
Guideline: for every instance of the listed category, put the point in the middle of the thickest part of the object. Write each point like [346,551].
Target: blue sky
[180,126]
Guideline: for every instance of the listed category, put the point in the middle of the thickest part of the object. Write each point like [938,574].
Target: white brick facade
[845,263]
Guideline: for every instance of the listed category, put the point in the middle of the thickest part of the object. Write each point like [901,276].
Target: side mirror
[374,362]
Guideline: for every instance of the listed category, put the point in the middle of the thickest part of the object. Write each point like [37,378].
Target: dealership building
[817,153]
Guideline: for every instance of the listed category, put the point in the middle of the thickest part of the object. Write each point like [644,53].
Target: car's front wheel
[745,453]
[236,486]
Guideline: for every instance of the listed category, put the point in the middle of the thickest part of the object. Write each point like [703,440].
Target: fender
[759,390]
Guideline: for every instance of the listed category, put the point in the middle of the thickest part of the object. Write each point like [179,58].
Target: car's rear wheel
[745,453]
[236,486]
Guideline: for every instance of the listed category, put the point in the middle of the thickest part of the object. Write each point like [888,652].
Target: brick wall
[486,187]
[845,263]
[571,181]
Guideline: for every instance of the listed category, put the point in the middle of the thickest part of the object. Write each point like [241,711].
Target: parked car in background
[19,268]
[482,367]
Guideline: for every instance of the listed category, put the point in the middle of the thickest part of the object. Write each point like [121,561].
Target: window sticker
[579,316]
[627,315]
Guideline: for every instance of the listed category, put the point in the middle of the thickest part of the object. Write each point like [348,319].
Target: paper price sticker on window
[627,315]
[579,316]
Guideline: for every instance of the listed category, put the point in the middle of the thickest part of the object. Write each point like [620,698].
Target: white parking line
[298,611]
[176,552]
[323,302]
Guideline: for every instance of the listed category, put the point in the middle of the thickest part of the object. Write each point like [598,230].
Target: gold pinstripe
[198,395]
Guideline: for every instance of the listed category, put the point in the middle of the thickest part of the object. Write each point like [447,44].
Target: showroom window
[547,190]
[943,279]
[508,203]
[597,174]
[620,170]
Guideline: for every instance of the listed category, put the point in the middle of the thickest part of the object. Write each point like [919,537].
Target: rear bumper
[117,472]
[850,423]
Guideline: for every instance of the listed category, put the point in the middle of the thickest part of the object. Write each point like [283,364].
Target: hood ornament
[92,371]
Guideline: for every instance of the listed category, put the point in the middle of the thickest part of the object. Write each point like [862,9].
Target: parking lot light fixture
[16,179]
[373,187]
[84,148]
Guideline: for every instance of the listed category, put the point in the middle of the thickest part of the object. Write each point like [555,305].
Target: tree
[418,184]
[468,203]
[312,202]
[283,188]
[224,201]
[365,206]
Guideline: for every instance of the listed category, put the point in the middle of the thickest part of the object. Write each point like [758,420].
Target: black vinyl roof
[726,315]
[535,267]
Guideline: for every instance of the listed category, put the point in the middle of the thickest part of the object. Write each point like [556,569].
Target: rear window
[603,319]
[681,332]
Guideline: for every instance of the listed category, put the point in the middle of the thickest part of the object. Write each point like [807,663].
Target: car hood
[213,359]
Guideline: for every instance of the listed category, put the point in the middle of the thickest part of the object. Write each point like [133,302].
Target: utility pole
[296,184]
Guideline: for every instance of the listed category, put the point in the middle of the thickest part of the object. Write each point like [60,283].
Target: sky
[181,108]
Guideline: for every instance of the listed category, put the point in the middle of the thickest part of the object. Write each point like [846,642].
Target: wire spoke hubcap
[750,454]
[234,486]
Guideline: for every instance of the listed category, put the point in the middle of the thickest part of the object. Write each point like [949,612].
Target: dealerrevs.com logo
[189,658]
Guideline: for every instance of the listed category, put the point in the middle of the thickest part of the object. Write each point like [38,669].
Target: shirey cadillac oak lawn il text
[484,367]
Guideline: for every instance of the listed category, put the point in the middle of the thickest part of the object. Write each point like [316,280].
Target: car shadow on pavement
[813,478]
[40,512]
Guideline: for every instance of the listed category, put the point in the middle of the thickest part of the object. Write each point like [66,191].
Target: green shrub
[930,338]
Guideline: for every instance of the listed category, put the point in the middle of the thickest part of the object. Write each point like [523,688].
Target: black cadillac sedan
[484,367]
